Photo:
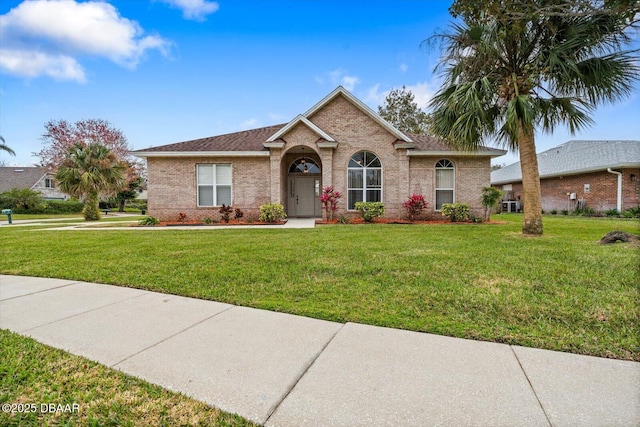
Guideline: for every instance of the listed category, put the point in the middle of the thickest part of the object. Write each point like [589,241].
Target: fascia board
[362,107]
[418,153]
[201,154]
[300,119]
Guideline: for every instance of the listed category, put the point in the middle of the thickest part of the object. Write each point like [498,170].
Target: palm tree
[506,77]
[5,147]
[88,171]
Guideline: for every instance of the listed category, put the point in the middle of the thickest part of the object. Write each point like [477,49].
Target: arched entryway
[304,183]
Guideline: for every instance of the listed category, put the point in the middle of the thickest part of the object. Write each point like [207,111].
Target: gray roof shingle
[20,177]
[574,157]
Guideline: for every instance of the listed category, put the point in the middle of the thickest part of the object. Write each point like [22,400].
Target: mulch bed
[358,220]
[214,224]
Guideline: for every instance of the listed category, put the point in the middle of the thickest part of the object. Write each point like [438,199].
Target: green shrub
[22,201]
[207,220]
[272,212]
[370,210]
[632,213]
[553,212]
[148,221]
[456,211]
[565,212]
[63,206]
[612,213]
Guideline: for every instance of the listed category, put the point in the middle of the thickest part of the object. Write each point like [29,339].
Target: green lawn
[561,291]
[33,373]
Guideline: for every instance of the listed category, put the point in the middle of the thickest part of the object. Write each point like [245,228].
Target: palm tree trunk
[530,182]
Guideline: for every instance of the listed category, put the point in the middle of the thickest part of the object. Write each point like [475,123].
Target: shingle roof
[247,140]
[576,157]
[20,177]
[431,143]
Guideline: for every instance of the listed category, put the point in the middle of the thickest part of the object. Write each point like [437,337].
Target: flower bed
[212,224]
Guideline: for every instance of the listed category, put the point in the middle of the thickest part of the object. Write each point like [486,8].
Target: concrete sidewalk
[284,370]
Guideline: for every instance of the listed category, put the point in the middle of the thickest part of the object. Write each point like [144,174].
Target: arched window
[364,179]
[445,182]
[304,165]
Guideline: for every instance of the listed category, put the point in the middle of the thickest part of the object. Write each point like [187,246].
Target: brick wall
[471,174]
[172,186]
[602,194]
[355,131]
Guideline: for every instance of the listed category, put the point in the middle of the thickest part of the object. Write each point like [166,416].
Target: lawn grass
[561,291]
[33,373]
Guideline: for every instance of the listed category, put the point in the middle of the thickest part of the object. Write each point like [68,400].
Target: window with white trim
[445,182]
[48,183]
[364,179]
[214,184]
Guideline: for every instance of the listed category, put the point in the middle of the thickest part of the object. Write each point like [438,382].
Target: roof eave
[479,153]
[300,119]
[146,154]
[572,172]
[362,107]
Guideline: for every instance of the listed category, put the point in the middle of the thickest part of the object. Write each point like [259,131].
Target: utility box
[8,213]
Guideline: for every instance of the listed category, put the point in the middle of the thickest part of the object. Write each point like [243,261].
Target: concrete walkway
[284,370]
[83,225]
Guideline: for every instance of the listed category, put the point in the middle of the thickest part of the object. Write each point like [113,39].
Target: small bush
[329,200]
[612,213]
[225,212]
[238,214]
[553,212]
[182,216]
[586,211]
[564,212]
[370,210]
[272,212]
[148,221]
[344,220]
[207,220]
[415,205]
[632,213]
[456,212]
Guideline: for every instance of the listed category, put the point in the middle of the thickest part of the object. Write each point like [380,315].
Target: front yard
[561,291]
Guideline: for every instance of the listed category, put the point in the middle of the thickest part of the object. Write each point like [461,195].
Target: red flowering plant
[329,200]
[415,205]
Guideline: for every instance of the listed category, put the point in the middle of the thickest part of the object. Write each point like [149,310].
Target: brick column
[275,158]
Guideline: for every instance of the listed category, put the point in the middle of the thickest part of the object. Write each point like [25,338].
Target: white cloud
[194,9]
[33,64]
[340,77]
[403,68]
[57,31]
[422,92]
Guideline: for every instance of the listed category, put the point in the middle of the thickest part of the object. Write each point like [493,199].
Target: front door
[302,196]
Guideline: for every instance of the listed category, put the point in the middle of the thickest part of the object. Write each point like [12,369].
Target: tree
[402,111]
[511,68]
[60,135]
[129,192]
[489,199]
[5,147]
[87,171]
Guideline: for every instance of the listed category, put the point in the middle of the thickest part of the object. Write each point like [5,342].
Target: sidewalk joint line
[42,290]
[304,372]
[531,386]
[82,312]
[173,335]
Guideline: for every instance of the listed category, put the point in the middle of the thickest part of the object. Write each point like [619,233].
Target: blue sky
[165,71]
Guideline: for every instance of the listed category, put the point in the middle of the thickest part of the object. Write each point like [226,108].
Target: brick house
[339,141]
[35,178]
[601,175]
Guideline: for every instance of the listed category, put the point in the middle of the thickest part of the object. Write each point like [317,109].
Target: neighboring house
[32,177]
[339,142]
[601,175]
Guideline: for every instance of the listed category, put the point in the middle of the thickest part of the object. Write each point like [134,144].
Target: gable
[20,177]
